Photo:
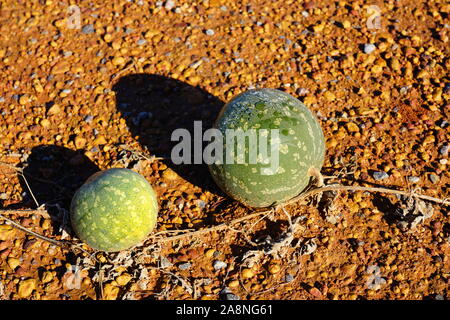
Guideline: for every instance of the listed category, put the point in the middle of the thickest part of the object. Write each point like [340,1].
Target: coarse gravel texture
[108,89]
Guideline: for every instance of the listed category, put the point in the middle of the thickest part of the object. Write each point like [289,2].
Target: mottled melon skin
[114,210]
[302,147]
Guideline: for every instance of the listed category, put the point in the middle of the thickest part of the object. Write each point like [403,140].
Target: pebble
[274,268]
[13,263]
[185,266]
[231,296]
[164,263]
[118,61]
[123,279]
[209,32]
[88,29]
[380,175]
[47,277]
[434,178]
[218,265]
[413,179]
[169,5]
[110,292]
[346,24]
[444,150]
[288,278]
[141,42]
[443,124]
[169,174]
[369,48]
[88,119]
[26,288]
[227,294]
[209,253]
[247,273]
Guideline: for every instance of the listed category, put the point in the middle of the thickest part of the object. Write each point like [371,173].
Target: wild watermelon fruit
[300,143]
[114,210]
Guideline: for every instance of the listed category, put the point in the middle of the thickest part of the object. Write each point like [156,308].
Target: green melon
[114,210]
[300,145]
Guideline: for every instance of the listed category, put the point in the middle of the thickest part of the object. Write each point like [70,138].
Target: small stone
[230,296]
[88,119]
[118,61]
[346,24]
[315,292]
[444,150]
[185,266]
[47,277]
[169,5]
[13,263]
[80,142]
[169,174]
[110,292]
[247,273]
[23,100]
[274,268]
[434,178]
[55,109]
[209,32]
[26,288]
[330,96]
[209,253]
[369,48]
[60,68]
[218,265]
[289,278]
[45,123]
[123,279]
[380,175]
[413,179]
[100,140]
[141,42]
[88,29]
[352,127]
[164,262]
[319,27]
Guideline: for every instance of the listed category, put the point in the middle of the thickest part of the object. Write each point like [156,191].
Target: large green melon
[114,210]
[300,144]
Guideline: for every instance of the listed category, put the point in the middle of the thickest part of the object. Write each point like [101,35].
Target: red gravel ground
[106,90]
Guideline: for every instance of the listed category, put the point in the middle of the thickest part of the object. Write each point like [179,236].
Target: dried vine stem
[187,234]
[61,244]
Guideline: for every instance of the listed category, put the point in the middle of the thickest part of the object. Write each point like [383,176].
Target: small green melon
[300,144]
[114,210]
